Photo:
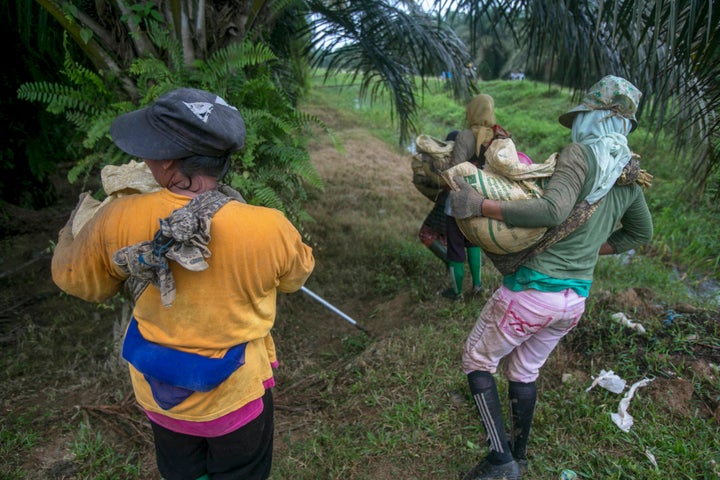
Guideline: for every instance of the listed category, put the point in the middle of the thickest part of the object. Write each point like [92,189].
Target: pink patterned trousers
[523,326]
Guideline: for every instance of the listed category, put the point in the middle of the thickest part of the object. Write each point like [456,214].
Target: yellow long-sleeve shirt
[256,251]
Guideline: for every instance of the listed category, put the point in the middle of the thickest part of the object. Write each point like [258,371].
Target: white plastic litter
[627,256]
[622,319]
[651,457]
[609,381]
[622,418]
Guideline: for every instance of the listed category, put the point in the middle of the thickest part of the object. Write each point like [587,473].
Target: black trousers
[243,454]
[456,241]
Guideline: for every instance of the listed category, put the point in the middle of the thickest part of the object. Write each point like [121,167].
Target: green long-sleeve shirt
[622,218]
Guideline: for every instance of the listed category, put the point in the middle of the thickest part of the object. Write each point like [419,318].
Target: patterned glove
[465,202]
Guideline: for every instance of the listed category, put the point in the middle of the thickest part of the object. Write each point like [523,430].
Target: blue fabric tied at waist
[174,375]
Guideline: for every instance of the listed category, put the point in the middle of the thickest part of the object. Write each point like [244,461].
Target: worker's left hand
[465,202]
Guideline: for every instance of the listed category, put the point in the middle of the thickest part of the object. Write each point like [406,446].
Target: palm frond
[667,49]
[386,47]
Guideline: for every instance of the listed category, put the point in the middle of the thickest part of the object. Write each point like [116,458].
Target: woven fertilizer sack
[491,235]
[432,157]
[118,181]
[426,184]
[503,159]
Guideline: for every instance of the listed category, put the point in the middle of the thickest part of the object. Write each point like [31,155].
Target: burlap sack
[432,157]
[426,184]
[127,179]
[492,235]
[118,181]
[502,158]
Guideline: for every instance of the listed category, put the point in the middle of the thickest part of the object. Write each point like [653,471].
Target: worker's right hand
[465,202]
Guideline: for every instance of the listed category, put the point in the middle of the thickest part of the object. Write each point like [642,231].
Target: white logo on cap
[222,101]
[201,110]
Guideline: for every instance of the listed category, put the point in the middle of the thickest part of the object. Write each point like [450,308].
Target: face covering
[606,135]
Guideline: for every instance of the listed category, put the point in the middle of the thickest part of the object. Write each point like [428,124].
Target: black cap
[181,123]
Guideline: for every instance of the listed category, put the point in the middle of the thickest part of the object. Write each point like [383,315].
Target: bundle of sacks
[117,181]
[121,180]
[431,158]
[507,175]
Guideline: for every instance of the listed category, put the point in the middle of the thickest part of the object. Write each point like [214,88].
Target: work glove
[465,202]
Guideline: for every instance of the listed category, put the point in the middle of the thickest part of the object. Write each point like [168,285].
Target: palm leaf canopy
[668,49]
[387,47]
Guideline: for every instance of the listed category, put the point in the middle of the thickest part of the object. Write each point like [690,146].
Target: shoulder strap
[580,214]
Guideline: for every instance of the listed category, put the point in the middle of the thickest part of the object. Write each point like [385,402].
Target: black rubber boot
[487,471]
[522,409]
[499,464]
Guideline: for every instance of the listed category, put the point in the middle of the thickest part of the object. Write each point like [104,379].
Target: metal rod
[333,308]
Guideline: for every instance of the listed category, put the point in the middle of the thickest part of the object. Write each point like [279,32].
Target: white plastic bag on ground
[622,418]
[622,319]
[609,381]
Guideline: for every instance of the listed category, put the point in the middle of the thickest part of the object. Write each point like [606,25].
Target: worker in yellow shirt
[204,269]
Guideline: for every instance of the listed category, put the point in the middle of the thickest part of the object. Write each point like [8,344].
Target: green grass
[395,412]
[17,437]
[395,404]
[99,459]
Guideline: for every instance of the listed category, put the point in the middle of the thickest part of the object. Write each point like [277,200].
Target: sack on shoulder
[432,157]
[494,236]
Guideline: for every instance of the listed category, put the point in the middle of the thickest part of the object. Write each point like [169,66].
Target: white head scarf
[606,135]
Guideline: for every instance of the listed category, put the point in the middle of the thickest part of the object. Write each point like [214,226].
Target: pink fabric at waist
[218,427]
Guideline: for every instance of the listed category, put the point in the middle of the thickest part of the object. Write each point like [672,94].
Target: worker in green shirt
[542,299]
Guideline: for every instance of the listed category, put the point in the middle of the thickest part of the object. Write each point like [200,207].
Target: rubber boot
[457,274]
[474,256]
[522,409]
[499,463]
[485,394]
[439,250]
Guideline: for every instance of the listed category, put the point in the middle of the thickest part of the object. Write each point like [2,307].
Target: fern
[236,57]
[99,128]
[273,169]
[59,98]
[307,171]
[150,71]
[83,166]
[79,119]
[266,196]
[86,102]
[80,75]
